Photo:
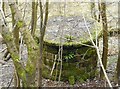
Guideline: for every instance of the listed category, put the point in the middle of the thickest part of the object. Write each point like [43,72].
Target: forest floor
[7,70]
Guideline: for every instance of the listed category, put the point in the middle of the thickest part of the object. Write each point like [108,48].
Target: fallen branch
[98,53]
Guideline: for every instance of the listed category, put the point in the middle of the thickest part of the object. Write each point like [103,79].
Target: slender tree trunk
[16,28]
[99,11]
[34,17]
[43,24]
[118,62]
[16,36]
[27,73]
[105,37]
[41,48]
[16,40]
[7,35]
[3,7]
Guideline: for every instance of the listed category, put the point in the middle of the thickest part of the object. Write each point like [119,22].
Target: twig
[53,65]
[88,31]
[98,53]
[101,64]
[10,82]
[56,70]
[20,47]
[87,45]
[85,54]
[60,64]
[3,16]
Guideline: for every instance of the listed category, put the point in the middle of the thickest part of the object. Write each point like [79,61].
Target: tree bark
[26,74]
[16,40]
[34,17]
[3,7]
[105,37]
[8,37]
[118,62]
[99,11]
[43,24]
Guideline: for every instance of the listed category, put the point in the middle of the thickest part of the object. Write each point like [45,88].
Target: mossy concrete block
[79,61]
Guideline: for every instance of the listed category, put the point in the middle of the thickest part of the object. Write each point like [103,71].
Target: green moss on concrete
[81,69]
[75,68]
